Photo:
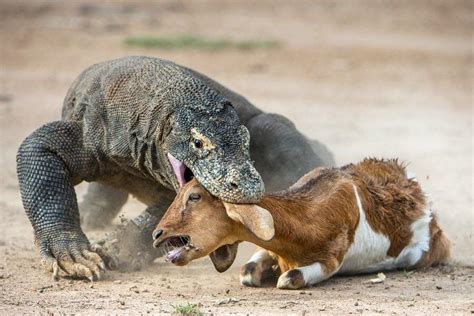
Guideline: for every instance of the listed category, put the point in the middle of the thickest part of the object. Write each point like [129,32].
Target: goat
[360,218]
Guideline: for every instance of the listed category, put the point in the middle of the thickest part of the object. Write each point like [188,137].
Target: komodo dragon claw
[77,258]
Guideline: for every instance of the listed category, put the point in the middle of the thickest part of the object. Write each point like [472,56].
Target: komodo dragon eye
[198,143]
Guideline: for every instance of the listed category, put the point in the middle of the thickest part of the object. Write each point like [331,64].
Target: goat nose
[157,233]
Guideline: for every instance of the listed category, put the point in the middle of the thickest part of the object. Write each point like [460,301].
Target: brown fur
[315,220]
[300,237]
[390,200]
[440,247]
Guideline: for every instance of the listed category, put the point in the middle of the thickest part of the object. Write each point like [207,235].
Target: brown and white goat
[360,218]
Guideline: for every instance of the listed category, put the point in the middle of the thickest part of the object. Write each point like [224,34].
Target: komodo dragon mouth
[181,171]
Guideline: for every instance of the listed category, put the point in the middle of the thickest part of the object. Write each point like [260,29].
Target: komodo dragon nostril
[157,233]
[233,185]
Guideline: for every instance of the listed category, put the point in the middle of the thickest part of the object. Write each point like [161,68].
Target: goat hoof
[291,280]
[250,275]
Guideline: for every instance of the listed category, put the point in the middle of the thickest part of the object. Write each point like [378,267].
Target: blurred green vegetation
[187,309]
[196,42]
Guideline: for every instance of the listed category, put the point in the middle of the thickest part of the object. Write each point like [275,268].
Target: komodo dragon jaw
[224,187]
[215,151]
[239,182]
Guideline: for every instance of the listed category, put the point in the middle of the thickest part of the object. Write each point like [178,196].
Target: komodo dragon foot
[73,254]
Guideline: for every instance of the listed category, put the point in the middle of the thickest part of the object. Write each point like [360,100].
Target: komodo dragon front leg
[49,163]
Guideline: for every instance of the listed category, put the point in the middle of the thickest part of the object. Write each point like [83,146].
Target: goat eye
[198,143]
[194,197]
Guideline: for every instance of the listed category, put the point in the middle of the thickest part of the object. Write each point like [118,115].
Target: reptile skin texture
[121,122]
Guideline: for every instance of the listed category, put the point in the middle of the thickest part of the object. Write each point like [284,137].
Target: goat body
[360,218]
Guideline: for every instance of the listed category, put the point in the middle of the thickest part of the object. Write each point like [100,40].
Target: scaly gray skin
[134,125]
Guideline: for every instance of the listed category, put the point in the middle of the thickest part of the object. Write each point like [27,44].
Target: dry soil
[368,78]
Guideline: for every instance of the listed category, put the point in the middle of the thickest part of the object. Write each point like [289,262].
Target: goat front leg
[307,275]
[252,273]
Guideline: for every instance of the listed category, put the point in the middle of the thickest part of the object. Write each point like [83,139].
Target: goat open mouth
[175,247]
[181,171]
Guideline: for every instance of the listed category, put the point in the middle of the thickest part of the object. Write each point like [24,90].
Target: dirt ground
[368,78]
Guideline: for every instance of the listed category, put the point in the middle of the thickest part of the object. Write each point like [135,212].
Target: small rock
[228,300]
[41,289]
[118,282]
[438,287]
[4,276]
[379,279]
[356,304]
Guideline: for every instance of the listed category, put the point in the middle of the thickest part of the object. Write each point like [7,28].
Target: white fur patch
[247,280]
[369,247]
[419,243]
[259,256]
[313,274]
[368,252]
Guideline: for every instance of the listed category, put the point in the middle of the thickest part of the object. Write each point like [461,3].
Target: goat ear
[257,219]
[224,256]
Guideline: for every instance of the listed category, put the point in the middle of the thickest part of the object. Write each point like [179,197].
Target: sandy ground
[368,78]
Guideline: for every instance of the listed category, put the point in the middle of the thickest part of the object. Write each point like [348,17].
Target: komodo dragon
[145,126]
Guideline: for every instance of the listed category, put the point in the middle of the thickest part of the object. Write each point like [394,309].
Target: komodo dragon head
[207,141]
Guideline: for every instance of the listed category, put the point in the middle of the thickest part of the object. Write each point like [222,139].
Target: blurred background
[367,78]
